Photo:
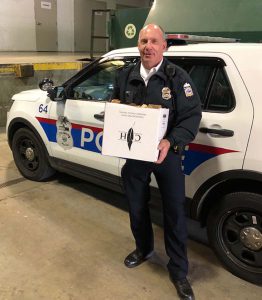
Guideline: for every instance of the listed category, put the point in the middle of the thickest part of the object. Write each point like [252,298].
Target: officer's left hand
[163,147]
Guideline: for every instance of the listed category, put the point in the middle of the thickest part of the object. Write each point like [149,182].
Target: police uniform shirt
[146,74]
[183,101]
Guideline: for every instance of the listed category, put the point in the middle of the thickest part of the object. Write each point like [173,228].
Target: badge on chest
[166,93]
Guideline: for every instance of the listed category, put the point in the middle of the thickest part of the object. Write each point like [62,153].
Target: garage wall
[17,25]
[65,25]
[83,16]
[126,3]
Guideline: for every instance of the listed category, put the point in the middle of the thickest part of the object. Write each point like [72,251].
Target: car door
[79,119]
[226,121]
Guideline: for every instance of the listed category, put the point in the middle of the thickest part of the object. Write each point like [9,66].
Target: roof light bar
[190,38]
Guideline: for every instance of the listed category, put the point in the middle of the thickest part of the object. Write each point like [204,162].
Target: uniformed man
[155,80]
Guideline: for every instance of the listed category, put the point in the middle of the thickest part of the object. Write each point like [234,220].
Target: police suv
[63,129]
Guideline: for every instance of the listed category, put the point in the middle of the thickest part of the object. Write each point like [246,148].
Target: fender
[222,183]
[19,122]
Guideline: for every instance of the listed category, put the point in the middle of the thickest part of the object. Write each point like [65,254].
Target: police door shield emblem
[64,136]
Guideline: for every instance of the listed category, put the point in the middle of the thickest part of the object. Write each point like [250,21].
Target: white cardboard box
[133,132]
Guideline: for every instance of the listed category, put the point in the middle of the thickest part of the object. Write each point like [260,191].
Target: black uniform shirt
[172,88]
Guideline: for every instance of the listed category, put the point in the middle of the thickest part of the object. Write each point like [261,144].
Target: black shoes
[136,258]
[184,289]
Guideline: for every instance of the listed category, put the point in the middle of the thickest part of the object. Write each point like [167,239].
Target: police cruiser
[63,129]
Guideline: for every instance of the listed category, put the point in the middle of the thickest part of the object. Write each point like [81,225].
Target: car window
[221,98]
[201,76]
[210,79]
[208,75]
[98,84]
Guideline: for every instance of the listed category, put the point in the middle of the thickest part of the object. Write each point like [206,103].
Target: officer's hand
[163,147]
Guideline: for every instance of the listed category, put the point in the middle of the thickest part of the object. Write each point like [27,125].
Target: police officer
[157,81]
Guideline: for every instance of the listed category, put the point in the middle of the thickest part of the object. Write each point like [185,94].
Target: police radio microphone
[170,71]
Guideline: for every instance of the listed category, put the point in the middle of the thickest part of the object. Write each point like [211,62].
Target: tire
[234,230]
[30,156]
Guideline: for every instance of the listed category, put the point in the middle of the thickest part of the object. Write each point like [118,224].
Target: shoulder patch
[188,90]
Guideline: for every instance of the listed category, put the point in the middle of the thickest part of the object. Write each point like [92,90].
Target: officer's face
[151,45]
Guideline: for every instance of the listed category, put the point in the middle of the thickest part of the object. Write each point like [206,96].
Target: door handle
[222,132]
[100,116]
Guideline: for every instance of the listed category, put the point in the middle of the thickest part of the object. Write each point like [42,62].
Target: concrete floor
[63,239]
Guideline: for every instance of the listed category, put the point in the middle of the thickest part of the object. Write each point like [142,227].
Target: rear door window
[221,97]
[211,81]
[202,76]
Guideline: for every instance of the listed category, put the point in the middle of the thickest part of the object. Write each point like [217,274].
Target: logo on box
[130,137]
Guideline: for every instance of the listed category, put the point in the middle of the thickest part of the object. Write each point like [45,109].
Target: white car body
[213,162]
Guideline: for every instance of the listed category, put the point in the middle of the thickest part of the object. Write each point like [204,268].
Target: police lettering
[87,136]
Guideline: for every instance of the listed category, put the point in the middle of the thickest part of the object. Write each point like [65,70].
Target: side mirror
[46,84]
[56,93]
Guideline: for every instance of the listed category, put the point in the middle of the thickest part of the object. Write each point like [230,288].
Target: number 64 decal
[43,108]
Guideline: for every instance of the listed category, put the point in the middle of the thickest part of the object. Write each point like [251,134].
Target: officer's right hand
[163,147]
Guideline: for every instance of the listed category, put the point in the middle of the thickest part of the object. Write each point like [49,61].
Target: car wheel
[30,156]
[234,229]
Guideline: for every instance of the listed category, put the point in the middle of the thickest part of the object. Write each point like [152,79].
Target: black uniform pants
[171,183]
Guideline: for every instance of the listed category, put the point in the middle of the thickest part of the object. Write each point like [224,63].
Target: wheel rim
[28,154]
[240,234]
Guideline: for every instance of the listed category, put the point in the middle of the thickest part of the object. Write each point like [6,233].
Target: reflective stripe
[90,138]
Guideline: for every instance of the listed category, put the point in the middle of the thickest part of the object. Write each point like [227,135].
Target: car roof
[231,49]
